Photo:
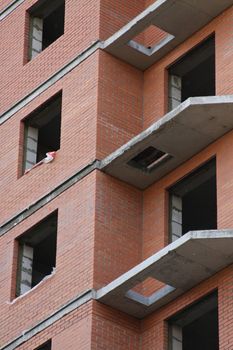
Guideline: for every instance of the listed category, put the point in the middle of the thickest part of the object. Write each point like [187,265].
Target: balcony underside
[172,16]
[181,265]
[180,134]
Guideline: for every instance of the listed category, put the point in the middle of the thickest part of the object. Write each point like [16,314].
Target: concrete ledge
[10,8]
[181,265]
[48,197]
[50,81]
[54,317]
[180,134]
[121,44]
[184,263]
[169,15]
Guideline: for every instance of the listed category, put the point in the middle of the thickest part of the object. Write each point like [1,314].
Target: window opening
[45,346]
[193,202]
[37,254]
[196,327]
[46,24]
[42,132]
[193,75]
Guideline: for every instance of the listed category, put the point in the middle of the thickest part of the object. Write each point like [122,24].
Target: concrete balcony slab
[179,135]
[172,16]
[181,265]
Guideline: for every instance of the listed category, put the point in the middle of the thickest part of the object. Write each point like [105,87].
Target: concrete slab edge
[47,322]
[145,264]
[134,274]
[10,8]
[50,81]
[144,15]
[32,208]
[92,294]
[160,124]
[103,164]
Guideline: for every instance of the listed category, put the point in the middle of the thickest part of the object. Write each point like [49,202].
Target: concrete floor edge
[48,321]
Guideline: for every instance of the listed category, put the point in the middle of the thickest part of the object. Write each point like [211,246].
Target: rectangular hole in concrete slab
[150,40]
[193,202]
[196,327]
[150,37]
[149,159]
[193,75]
[148,287]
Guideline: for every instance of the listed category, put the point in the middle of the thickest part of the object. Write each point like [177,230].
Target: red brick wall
[155,77]
[225,182]
[155,206]
[105,227]
[74,262]
[119,104]
[92,326]
[115,14]
[78,140]
[114,330]
[71,332]
[17,80]
[4,3]
[155,199]
[224,50]
[154,327]
[118,229]
[110,329]
[155,209]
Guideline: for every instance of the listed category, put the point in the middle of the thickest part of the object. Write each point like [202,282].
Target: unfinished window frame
[38,16]
[177,192]
[178,70]
[49,112]
[187,316]
[27,269]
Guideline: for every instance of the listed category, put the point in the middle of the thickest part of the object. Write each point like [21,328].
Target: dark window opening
[46,24]
[53,26]
[37,254]
[45,346]
[149,159]
[193,75]
[42,132]
[196,328]
[44,258]
[193,202]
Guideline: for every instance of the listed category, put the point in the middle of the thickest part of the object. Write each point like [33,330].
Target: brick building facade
[123,240]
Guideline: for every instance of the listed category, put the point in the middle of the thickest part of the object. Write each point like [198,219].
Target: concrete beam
[181,265]
[181,133]
[169,15]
